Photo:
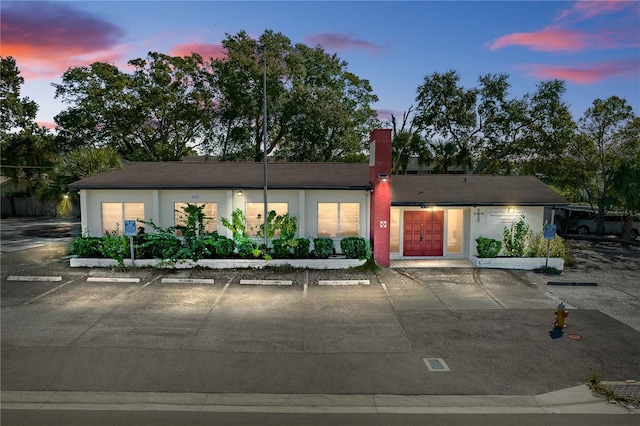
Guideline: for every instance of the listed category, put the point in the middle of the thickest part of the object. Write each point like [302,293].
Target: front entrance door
[423,233]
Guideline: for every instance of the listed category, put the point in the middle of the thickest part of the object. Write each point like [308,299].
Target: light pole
[264,139]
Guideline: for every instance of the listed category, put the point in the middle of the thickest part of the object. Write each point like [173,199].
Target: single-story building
[410,216]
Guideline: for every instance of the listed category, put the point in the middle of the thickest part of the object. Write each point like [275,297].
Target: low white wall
[522,263]
[220,263]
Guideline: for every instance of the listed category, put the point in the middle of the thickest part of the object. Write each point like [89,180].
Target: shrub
[247,248]
[86,247]
[538,246]
[323,247]
[115,246]
[222,246]
[161,244]
[301,249]
[281,248]
[488,247]
[354,247]
[516,238]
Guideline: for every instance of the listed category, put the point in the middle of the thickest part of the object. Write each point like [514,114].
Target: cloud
[385,114]
[546,40]
[341,42]
[215,51]
[586,73]
[48,124]
[617,32]
[46,38]
[587,9]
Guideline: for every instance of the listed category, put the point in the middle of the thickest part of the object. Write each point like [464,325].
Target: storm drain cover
[630,391]
[436,364]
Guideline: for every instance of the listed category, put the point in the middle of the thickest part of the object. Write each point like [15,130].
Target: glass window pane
[112,218]
[134,211]
[179,217]
[454,231]
[349,219]
[394,229]
[327,219]
[211,213]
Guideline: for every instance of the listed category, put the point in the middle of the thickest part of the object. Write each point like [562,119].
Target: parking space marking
[305,286]
[187,281]
[113,280]
[28,302]
[343,282]
[266,282]
[33,278]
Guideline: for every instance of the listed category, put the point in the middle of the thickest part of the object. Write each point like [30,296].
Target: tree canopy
[27,150]
[316,109]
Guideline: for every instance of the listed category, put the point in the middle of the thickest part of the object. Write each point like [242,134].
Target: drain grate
[629,391]
[436,364]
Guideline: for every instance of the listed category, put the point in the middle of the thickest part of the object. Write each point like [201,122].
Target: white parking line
[32,278]
[343,282]
[112,280]
[266,282]
[187,281]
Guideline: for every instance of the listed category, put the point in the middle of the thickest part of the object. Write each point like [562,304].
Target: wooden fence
[32,207]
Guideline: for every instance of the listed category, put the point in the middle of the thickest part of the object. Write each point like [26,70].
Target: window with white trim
[338,219]
[114,215]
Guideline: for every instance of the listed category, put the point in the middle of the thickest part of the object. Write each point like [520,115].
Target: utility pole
[264,138]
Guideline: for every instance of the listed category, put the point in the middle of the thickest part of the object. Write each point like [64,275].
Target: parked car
[612,225]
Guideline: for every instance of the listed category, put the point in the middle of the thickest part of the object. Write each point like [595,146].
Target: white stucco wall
[159,205]
[491,222]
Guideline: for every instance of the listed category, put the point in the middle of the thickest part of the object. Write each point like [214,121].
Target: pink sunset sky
[593,45]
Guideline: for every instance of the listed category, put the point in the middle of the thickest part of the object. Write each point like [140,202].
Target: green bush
[322,247]
[86,247]
[281,248]
[538,247]
[354,247]
[160,244]
[115,246]
[301,249]
[223,246]
[247,248]
[488,247]
[517,238]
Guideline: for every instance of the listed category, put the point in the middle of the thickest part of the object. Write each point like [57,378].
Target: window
[114,215]
[255,211]
[338,219]
[454,231]
[210,211]
[394,230]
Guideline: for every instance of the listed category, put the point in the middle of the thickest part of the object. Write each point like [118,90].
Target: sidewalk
[574,400]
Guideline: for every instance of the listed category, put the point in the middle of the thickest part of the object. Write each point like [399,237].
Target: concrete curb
[577,400]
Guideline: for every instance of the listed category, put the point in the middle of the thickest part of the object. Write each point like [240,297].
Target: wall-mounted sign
[383,224]
[504,216]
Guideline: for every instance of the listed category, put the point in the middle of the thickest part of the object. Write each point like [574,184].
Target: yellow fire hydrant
[561,314]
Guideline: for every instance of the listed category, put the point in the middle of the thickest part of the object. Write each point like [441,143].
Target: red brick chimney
[380,180]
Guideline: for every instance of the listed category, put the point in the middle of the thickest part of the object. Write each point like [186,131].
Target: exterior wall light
[239,194]
[511,210]
[383,177]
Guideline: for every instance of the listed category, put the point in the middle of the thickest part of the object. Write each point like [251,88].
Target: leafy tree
[76,165]
[483,129]
[27,150]
[160,112]
[316,109]
[604,151]
[407,143]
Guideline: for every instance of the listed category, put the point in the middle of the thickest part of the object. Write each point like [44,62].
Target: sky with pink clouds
[593,45]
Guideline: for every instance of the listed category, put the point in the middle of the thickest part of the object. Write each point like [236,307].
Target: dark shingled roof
[471,190]
[229,175]
[409,190]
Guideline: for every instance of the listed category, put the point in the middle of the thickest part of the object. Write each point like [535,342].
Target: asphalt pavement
[412,341]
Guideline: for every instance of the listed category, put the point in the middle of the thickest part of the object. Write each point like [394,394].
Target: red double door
[423,233]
